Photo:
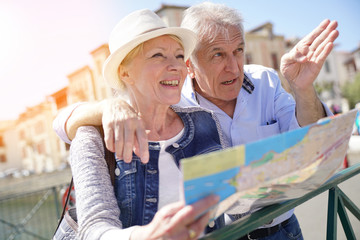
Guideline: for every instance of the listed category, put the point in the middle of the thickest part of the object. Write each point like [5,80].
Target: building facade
[36,139]
[30,142]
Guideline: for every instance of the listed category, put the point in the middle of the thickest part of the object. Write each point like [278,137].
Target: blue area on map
[213,184]
[278,143]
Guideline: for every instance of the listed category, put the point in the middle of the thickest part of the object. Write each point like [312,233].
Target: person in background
[147,63]
[357,120]
[248,100]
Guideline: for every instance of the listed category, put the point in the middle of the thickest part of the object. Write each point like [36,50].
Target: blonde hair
[134,52]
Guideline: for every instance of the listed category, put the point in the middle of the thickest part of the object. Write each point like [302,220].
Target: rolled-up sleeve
[60,121]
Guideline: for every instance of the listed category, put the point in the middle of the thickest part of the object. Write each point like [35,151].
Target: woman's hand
[178,221]
[124,131]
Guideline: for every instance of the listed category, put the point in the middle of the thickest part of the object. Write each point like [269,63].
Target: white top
[169,174]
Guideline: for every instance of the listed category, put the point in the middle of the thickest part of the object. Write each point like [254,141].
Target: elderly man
[248,100]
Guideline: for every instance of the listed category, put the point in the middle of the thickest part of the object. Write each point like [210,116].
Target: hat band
[150,30]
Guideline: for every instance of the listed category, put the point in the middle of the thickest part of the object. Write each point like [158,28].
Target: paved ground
[312,215]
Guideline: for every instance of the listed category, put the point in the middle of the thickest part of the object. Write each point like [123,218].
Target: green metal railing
[31,215]
[337,203]
[34,215]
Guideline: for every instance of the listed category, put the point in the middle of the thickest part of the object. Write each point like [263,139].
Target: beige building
[87,84]
[10,157]
[172,15]
[99,55]
[352,64]
[30,143]
[265,48]
[60,101]
[37,141]
[81,85]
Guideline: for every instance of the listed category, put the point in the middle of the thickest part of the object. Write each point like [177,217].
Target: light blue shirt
[265,111]
[261,112]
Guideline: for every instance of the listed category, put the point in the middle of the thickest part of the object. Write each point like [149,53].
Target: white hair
[208,20]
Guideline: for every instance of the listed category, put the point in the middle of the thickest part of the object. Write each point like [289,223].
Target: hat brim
[111,65]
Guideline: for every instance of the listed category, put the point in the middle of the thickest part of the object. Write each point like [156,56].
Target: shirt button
[117,171]
[175,145]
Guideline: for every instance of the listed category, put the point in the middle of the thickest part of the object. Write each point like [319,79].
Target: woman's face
[157,73]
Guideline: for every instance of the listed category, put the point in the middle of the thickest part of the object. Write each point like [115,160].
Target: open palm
[303,63]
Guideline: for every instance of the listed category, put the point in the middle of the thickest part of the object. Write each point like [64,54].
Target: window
[274,60]
[39,127]
[22,135]
[41,147]
[248,58]
[24,155]
[327,67]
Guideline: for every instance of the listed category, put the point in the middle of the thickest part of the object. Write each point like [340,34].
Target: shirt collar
[248,85]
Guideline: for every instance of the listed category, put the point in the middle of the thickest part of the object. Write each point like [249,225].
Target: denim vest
[137,184]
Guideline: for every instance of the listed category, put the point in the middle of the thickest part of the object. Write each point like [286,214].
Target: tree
[351,91]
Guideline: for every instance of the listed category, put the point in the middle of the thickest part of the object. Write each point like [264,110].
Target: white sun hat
[135,28]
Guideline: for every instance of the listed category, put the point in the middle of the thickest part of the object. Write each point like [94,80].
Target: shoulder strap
[65,205]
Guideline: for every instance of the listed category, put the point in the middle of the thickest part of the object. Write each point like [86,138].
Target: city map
[271,170]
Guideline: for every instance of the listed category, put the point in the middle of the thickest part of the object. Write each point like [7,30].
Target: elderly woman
[146,62]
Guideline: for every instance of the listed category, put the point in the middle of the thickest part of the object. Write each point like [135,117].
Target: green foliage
[351,91]
[323,86]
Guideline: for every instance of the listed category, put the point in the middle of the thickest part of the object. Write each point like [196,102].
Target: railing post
[332,213]
[349,232]
[350,205]
[57,202]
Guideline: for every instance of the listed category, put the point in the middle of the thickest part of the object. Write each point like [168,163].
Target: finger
[142,141]
[309,39]
[323,55]
[109,138]
[326,36]
[144,156]
[129,135]
[198,226]
[171,209]
[190,213]
[119,141]
[330,39]
[161,225]
[303,46]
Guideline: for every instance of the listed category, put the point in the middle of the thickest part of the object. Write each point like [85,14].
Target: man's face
[219,70]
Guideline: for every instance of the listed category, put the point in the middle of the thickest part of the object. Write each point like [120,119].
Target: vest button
[212,224]
[152,200]
[175,145]
[117,171]
[152,171]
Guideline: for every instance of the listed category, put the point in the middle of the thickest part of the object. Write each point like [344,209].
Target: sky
[44,41]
